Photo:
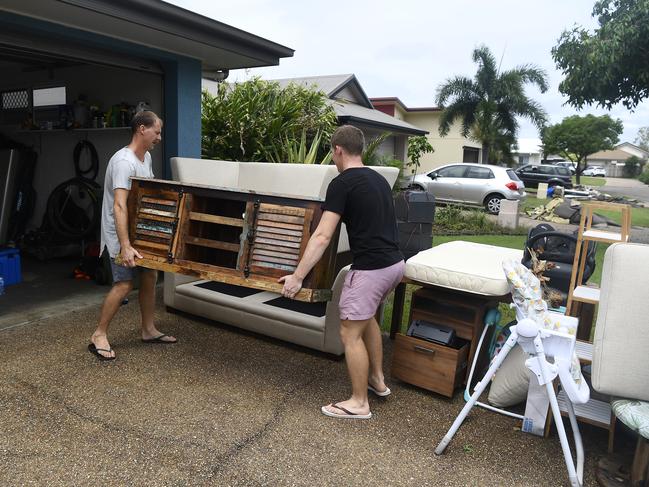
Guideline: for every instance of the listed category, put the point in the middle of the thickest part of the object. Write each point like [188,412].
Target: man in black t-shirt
[362,198]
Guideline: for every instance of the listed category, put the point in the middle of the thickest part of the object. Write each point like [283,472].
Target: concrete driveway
[626,187]
[225,408]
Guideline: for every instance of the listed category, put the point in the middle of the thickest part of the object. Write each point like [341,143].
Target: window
[563,171]
[14,100]
[546,170]
[512,175]
[477,172]
[452,172]
[470,154]
[15,106]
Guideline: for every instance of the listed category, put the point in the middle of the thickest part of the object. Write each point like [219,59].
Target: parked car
[471,184]
[568,164]
[553,175]
[594,171]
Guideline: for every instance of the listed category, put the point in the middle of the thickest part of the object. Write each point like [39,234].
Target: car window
[546,170]
[563,171]
[452,172]
[477,172]
[512,175]
[525,168]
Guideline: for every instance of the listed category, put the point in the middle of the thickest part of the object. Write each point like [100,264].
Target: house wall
[522,159]
[447,149]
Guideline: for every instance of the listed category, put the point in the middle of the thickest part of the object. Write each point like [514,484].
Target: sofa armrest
[332,341]
[171,281]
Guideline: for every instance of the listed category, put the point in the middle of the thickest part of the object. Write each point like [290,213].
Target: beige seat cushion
[465,266]
[621,342]
[224,174]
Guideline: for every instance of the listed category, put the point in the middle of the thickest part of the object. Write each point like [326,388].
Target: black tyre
[492,203]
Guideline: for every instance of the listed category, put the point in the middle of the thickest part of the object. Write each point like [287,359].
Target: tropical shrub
[253,120]
[644,177]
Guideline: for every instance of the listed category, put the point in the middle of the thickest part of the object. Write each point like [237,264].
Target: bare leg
[374,344]
[356,356]
[111,304]
[148,278]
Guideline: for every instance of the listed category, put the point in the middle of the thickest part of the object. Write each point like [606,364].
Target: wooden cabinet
[234,236]
[436,367]
[428,365]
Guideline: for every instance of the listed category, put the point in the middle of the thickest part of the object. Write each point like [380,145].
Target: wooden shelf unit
[233,236]
[579,293]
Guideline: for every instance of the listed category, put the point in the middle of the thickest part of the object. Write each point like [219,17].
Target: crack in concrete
[55,401]
[225,459]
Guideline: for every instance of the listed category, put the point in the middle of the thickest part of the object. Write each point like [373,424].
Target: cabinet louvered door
[278,238]
[155,221]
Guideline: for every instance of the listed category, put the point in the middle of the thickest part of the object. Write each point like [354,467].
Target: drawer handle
[419,348]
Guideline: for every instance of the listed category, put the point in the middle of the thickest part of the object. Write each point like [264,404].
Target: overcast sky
[409,47]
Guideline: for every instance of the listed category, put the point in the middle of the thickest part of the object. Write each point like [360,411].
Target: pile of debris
[564,207]
[588,193]
[568,210]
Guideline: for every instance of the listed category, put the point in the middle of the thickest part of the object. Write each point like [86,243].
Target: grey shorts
[122,273]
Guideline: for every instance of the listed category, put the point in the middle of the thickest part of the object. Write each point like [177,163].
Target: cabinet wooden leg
[397,309]
[640,467]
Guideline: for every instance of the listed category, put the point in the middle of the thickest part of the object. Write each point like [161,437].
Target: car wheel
[492,203]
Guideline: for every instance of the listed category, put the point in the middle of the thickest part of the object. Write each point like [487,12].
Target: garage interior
[53,107]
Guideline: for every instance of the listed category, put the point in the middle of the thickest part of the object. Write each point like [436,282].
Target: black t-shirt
[364,200]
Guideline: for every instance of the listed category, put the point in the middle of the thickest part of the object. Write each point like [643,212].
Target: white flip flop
[384,393]
[348,414]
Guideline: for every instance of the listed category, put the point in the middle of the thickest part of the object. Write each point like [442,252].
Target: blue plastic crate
[10,266]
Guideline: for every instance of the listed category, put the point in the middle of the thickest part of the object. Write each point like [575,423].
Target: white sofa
[316,325]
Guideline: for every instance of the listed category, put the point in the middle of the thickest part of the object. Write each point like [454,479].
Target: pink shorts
[364,290]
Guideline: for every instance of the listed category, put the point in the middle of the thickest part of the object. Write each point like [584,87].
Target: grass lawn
[639,216]
[590,181]
[509,241]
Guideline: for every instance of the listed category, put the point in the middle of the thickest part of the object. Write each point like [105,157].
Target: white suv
[594,171]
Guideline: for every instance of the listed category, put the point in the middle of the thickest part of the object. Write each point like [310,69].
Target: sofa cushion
[621,341]
[224,174]
[254,304]
[465,266]
[288,179]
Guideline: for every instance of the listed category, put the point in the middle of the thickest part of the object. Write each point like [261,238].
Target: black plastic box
[414,207]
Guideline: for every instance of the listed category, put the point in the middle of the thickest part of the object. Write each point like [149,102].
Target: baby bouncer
[542,338]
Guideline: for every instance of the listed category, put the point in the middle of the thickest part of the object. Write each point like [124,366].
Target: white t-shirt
[121,167]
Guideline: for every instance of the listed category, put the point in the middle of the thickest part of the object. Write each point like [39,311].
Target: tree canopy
[611,64]
[642,138]
[577,137]
[488,104]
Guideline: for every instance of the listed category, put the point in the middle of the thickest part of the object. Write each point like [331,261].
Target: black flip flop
[95,351]
[159,339]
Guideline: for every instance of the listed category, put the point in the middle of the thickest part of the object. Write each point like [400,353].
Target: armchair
[621,345]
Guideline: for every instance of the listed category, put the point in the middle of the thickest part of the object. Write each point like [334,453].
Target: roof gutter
[173,20]
[381,125]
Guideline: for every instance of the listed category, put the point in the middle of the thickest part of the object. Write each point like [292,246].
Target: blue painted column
[182,110]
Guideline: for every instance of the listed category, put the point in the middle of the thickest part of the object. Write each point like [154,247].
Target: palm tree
[489,104]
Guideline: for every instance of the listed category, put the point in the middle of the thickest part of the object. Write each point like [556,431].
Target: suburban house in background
[452,148]
[613,160]
[352,106]
[528,152]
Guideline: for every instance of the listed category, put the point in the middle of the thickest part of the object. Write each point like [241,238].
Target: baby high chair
[541,336]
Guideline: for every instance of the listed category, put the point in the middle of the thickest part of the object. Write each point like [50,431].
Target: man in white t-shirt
[132,160]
